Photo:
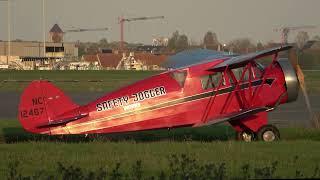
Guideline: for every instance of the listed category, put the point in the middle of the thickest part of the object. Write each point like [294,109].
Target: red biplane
[200,88]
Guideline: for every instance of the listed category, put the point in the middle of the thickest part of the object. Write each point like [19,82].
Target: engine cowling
[290,75]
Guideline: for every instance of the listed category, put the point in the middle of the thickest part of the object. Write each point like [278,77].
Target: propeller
[294,59]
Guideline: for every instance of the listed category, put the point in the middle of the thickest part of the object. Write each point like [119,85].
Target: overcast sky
[229,19]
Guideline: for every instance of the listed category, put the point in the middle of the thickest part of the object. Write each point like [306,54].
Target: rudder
[41,103]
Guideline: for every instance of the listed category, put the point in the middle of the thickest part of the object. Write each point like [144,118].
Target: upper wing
[194,56]
[238,60]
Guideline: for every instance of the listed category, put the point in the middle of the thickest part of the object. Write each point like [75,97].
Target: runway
[291,114]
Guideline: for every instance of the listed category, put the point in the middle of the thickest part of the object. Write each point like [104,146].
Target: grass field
[161,152]
[73,81]
[98,81]
[313,81]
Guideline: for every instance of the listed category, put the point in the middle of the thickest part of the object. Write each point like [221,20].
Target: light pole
[9,30]
[44,27]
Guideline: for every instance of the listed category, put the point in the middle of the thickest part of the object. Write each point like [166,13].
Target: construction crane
[84,30]
[286,30]
[76,30]
[122,20]
[57,34]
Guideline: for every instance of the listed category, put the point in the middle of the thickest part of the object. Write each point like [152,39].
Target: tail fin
[40,104]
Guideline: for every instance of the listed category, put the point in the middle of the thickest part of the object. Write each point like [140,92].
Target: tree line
[179,42]
[210,40]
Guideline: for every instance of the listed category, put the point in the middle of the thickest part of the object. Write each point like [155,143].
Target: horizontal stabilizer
[238,60]
[63,121]
[232,116]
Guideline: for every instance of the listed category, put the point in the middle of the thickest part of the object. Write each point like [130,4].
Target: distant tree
[114,44]
[103,43]
[92,48]
[301,39]
[178,42]
[259,46]
[182,43]
[173,40]
[210,41]
[81,48]
[241,45]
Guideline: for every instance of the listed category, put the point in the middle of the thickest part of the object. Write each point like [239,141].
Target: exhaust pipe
[290,75]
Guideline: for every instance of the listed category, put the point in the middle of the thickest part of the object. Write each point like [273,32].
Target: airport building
[57,54]
[30,55]
[35,49]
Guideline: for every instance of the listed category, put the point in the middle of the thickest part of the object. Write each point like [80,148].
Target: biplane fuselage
[160,102]
[187,96]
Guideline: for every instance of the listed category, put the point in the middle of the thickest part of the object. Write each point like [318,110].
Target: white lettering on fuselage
[137,97]
[150,93]
[112,103]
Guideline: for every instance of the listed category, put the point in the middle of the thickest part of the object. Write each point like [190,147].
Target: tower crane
[122,20]
[76,30]
[84,30]
[286,30]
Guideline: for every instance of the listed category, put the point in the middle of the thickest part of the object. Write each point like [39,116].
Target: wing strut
[212,98]
[257,91]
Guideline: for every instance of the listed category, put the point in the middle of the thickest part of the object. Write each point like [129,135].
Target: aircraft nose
[290,75]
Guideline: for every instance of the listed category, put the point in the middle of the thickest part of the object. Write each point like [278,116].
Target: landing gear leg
[247,128]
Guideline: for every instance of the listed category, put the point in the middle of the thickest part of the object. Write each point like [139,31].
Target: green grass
[297,152]
[73,81]
[291,156]
[312,79]
[312,75]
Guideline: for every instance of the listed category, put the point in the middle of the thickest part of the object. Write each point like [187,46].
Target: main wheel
[268,133]
[246,136]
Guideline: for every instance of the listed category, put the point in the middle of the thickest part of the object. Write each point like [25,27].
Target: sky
[229,19]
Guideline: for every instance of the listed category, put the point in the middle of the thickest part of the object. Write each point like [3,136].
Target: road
[293,114]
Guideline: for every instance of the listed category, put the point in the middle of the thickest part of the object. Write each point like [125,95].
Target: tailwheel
[268,133]
[246,136]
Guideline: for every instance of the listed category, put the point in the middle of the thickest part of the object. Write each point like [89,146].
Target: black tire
[268,133]
[241,136]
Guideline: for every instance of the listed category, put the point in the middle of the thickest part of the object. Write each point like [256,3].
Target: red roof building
[109,61]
